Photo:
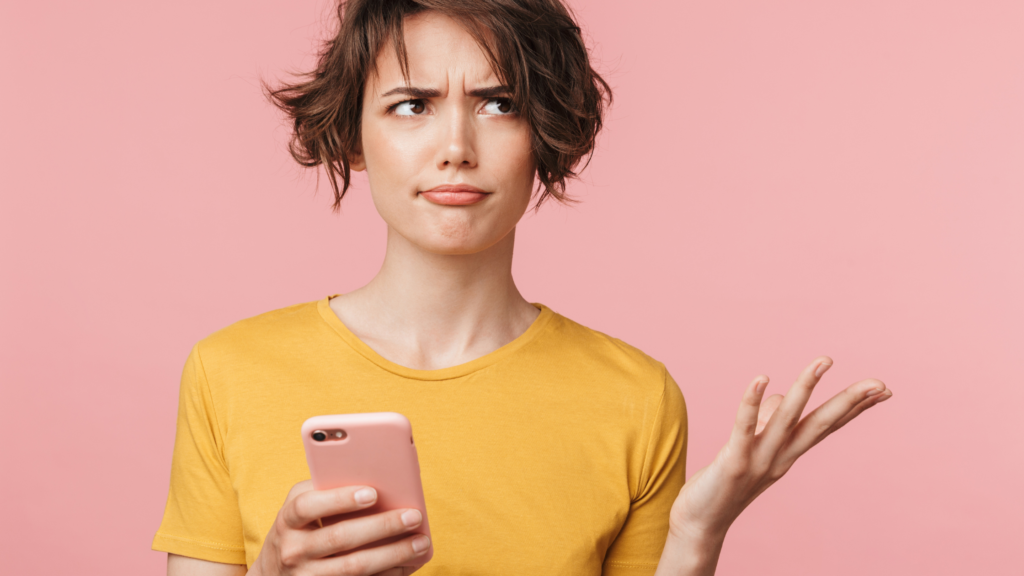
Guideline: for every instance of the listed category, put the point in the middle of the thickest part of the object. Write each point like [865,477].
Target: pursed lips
[454,194]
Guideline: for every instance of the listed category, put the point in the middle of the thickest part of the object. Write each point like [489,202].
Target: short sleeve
[202,518]
[638,546]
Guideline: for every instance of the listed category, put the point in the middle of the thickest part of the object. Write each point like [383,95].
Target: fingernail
[885,396]
[873,392]
[366,495]
[420,543]
[761,385]
[822,368]
[411,518]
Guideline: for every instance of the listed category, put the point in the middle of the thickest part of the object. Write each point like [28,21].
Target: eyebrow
[489,92]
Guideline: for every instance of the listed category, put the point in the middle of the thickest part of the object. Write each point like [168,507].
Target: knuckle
[776,472]
[337,537]
[280,534]
[759,469]
[821,429]
[291,553]
[301,506]
[354,565]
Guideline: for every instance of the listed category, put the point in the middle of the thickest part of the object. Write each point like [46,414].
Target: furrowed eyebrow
[414,92]
[489,92]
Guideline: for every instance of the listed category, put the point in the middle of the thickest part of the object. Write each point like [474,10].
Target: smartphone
[371,449]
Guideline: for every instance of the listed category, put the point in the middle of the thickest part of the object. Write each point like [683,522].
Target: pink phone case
[378,451]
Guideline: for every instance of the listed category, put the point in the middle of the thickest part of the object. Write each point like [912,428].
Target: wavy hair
[534,47]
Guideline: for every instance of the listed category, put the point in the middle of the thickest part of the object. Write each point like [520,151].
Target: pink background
[777,180]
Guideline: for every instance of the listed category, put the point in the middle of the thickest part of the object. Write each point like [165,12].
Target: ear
[356,161]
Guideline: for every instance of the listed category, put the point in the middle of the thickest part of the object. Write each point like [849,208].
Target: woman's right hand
[298,544]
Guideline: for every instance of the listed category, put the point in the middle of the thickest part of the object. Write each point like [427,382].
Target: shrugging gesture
[765,442]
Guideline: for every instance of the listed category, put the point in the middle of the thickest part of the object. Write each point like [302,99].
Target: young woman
[545,447]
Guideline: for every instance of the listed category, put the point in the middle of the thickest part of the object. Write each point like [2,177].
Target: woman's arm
[765,442]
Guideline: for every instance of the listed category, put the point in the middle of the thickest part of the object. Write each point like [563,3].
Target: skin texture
[445,296]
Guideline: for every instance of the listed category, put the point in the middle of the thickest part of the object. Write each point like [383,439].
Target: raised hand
[765,442]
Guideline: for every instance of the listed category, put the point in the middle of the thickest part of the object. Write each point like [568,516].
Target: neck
[425,310]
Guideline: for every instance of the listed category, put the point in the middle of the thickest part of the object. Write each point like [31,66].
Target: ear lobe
[356,161]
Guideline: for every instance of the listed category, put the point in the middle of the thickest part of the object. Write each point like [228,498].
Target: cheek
[513,157]
[391,160]
[521,154]
[392,166]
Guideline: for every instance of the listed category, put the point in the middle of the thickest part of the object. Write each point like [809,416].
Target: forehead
[441,54]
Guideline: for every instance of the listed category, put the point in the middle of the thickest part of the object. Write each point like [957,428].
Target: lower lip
[454,198]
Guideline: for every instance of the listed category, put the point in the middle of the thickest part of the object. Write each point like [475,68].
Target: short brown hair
[534,46]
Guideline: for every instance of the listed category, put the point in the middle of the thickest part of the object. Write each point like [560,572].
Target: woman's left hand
[765,442]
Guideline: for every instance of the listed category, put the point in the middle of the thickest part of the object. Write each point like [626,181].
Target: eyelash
[391,109]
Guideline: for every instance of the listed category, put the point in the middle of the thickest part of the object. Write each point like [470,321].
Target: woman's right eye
[410,108]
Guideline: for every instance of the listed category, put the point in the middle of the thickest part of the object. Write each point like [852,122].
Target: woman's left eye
[500,106]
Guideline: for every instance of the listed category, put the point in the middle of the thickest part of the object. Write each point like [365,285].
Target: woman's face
[452,125]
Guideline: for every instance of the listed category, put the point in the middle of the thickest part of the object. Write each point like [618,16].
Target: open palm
[765,442]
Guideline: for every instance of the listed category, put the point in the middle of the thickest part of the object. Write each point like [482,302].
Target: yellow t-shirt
[560,453]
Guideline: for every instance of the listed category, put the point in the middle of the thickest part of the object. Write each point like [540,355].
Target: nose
[458,143]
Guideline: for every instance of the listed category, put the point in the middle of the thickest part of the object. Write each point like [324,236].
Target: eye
[500,107]
[410,108]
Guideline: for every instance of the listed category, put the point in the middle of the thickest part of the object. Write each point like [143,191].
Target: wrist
[698,533]
[690,553]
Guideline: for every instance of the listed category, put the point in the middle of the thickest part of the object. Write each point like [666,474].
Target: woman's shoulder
[263,333]
[601,352]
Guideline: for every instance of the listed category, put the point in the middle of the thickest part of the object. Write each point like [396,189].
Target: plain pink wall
[777,180]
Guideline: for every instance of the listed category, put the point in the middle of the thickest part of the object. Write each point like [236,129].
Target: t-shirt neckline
[459,370]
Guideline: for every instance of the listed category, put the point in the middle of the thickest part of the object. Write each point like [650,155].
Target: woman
[545,447]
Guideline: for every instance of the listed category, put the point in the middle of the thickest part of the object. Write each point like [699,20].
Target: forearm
[689,557]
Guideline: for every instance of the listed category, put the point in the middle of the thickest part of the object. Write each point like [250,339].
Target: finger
[832,415]
[356,532]
[746,417]
[782,422]
[311,505]
[877,399]
[768,407]
[378,558]
[304,486]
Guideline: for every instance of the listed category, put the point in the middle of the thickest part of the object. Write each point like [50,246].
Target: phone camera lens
[319,436]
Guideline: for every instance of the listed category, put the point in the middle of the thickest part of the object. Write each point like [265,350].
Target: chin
[455,234]
[457,239]
[455,246]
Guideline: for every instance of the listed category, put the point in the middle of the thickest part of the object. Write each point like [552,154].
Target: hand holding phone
[362,512]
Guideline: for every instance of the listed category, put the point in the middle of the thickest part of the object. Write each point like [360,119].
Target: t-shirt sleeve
[639,544]
[202,518]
